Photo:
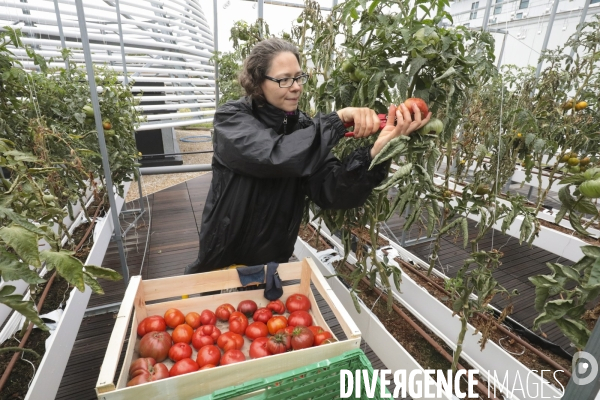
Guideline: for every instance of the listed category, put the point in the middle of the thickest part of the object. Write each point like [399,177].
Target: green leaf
[574,219]
[19,349]
[20,220]
[373,6]
[575,331]
[23,241]
[591,251]
[390,150]
[12,269]
[561,214]
[67,266]
[529,138]
[577,179]
[585,205]
[104,273]
[543,280]
[401,81]
[450,71]
[541,295]
[465,231]
[565,197]
[399,174]
[415,66]
[92,283]
[25,308]
[594,273]
[353,13]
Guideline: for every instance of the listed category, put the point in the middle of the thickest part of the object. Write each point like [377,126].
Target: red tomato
[302,338]
[262,315]
[184,366]
[315,329]
[322,336]
[238,323]
[207,366]
[232,357]
[208,317]
[182,334]
[208,355]
[256,329]
[287,336]
[277,343]
[288,329]
[297,302]
[247,307]
[155,345]
[276,323]
[230,340]
[224,311]
[276,306]
[300,318]
[155,323]
[258,348]
[205,335]
[174,317]
[420,104]
[145,370]
[179,351]
[210,330]
[193,319]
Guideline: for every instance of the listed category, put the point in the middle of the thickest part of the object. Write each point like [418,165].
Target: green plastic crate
[318,381]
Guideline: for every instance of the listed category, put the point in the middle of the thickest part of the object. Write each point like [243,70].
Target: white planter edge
[47,379]
[493,358]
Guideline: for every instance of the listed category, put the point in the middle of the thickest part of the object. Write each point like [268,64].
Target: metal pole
[125,77]
[502,50]
[101,140]
[584,382]
[486,15]
[216,47]
[547,38]
[260,15]
[61,33]
[581,21]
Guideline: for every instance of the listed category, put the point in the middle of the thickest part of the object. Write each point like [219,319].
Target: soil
[568,231]
[22,374]
[418,347]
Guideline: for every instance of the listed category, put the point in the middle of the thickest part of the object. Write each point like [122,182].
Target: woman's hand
[404,125]
[366,122]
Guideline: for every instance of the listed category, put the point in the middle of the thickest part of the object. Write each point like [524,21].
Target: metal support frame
[118,10]
[502,50]
[581,21]
[486,15]
[101,139]
[547,37]
[286,4]
[63,43]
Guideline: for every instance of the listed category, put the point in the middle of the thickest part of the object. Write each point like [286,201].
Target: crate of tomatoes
[185,342]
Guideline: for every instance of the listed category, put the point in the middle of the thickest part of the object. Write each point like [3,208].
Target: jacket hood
[282,122]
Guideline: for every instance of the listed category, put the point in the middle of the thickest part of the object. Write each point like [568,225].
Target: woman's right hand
[365,121]
[404,125]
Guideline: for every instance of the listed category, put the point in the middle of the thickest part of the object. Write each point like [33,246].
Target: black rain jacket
[265,163]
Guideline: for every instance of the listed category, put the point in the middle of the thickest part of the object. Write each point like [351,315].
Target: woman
[268,156]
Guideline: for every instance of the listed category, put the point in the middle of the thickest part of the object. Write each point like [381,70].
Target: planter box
[200,383]
[47,379]
[438,318]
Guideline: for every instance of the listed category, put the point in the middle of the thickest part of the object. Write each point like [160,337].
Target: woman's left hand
[365,121]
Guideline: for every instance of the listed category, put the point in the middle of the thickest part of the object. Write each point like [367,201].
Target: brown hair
[258,63]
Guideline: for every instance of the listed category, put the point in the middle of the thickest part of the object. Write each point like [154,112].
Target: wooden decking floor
[176,213]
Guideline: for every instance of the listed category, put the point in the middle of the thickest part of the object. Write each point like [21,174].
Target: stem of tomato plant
[459,342]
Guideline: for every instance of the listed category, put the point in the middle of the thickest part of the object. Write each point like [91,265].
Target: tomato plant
[208,355]
[155,345]
[180,351]
[184,366]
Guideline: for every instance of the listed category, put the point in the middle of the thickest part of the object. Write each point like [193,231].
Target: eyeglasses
[289,82]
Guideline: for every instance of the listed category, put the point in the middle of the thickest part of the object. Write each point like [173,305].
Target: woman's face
[283,65]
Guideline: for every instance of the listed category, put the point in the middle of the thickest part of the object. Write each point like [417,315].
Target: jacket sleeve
[348,183]
[243,144]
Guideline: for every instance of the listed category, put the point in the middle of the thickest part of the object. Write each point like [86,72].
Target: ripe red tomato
[321,336]
[262,315]
[145,370]
[276,323]
[193,319]
[224,311]
[182,334]
[258,348]
[230,340]
[232,357]
[179,351]
[208,317]
[210,330]
[287,336]
[297,302]
[238,323]
[315,329]
[184,366]
[300,318]
[207,366]
[256,329]
[155,345]
[155,323]
[277,343]
[205,335]
[420,103]
[174,317]
[247,307]
[276,306]
[288,329]
[208,355]
[302,338]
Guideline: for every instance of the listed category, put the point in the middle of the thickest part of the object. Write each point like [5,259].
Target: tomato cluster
[270,331]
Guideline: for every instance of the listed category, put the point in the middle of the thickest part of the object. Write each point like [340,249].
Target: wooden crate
[143,298]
